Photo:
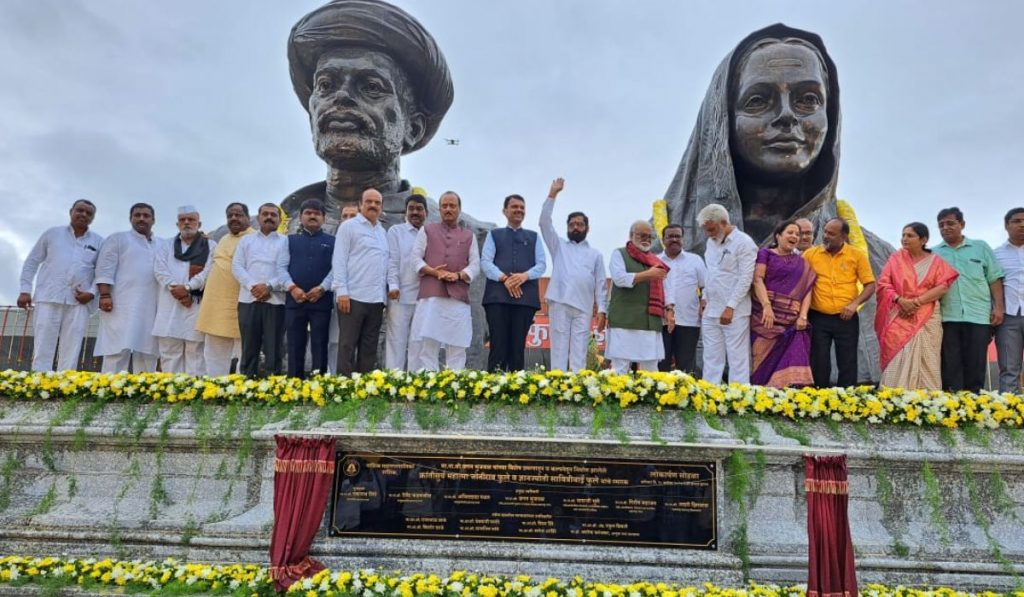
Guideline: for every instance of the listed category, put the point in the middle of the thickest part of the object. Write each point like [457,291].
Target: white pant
[726,343]
[429,349]
[53,322]
[399,348]
[622,365]
[570,334]
[180,356]
[140,362]
[218,352]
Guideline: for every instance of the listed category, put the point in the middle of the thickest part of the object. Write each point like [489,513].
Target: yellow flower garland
[672,390]
[148,576]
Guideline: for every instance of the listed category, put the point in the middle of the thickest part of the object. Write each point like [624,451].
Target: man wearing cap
[181,265]
[128,295]
[218,313]
[65,259]
[403,285]
[260,294]
[445,256]
[304,268]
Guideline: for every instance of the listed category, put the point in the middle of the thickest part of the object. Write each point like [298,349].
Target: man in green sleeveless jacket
[637,309]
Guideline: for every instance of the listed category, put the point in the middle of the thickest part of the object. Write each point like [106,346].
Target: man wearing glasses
[637,309]
[730,257]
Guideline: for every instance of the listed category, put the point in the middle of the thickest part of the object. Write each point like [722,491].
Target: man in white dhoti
[637,309]
[445,255]
[128,296]
[403,285]
[730,256]
[218,313]
[577,281]
[181,266]
[63,263]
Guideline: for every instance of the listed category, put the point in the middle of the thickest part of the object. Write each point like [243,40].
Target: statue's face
[358,110]
[779,118]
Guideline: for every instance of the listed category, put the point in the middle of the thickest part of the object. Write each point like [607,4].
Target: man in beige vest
[218,313]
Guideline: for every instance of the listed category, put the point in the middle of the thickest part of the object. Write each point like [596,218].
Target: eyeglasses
[643,237]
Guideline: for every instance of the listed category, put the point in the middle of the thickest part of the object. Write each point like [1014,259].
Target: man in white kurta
[634,334]
[577,281]
[261,295]
[128,296]
[181,266]
[683,287]
[445,255]
[730,256]
[63,263]
[403,285]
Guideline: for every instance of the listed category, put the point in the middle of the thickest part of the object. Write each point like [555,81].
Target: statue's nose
[785,118]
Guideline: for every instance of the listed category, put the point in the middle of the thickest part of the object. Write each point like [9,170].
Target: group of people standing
[774,314]
[768,316]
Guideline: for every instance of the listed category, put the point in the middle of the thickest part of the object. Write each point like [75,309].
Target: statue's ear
[414,130]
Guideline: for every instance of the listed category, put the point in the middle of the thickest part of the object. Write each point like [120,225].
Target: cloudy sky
[190,102]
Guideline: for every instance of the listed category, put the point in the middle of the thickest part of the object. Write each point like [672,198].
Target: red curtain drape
[303,470]
[830,563]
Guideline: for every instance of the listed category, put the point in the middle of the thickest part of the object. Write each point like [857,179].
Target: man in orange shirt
[834,302]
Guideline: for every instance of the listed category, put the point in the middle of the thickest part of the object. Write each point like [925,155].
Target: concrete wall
[197,484]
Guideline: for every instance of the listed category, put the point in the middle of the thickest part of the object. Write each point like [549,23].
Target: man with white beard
[128,295]
[181,266]
[637,309]
[730,256]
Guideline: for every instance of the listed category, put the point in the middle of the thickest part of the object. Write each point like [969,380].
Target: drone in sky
[451,141]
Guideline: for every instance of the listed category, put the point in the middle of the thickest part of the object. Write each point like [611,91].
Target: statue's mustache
[325,119]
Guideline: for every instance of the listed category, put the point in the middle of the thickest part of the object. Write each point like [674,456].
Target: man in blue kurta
[513,260]
[305,271]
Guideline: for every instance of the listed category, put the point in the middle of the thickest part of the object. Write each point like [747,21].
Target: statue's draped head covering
[381,27]
[707,173]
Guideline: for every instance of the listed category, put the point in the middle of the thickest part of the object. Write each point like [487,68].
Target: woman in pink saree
[780,352]
[908,322]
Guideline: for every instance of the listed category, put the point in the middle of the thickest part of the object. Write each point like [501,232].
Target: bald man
[806,234]
[360,268]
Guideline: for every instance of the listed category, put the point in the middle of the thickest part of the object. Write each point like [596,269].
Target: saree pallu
[780,355]
[911,345]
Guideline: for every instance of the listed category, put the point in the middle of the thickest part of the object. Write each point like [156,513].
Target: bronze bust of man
[766,146]
[376,87]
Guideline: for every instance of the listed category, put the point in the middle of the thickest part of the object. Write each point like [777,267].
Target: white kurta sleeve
[35,258]
[239,261]
[198,281]
[600,284]
[107,260]
[161,268]
[473,269]
[617,268]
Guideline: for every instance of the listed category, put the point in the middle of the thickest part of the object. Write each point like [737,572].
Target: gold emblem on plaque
[350,466]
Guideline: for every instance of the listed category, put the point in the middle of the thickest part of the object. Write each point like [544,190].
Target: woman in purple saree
[780,353]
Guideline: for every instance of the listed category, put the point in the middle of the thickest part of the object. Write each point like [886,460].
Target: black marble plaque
[618,502]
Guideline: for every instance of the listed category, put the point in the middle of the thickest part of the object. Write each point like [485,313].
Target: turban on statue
[378,26]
